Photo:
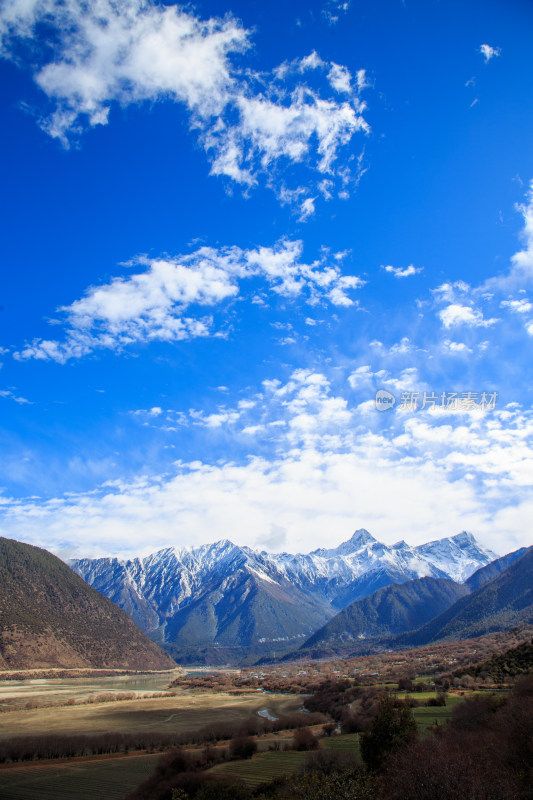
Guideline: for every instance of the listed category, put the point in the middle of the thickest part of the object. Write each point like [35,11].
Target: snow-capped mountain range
[226,602]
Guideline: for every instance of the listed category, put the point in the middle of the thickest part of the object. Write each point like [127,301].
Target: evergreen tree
[392,727]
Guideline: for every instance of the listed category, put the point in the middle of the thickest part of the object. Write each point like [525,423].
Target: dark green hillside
[492,570]
[49,617]
[391,610]
[503,602]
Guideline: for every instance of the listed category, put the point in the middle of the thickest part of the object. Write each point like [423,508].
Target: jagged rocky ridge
[222,603]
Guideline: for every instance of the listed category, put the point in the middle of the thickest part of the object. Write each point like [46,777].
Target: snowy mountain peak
[360,541]
[401,545]
[191,596]
[458,556]
[360,538]
[464,538]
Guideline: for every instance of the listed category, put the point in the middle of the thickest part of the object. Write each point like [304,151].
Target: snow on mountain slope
[362,565]
[459,556]
[225,594]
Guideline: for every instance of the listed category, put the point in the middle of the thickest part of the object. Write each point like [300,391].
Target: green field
[416,695]
[267,766]
[349,743]
[426,716]
[262,767]
[98,779]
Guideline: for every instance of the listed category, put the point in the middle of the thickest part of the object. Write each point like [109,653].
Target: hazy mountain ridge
[49,617]
[229,596]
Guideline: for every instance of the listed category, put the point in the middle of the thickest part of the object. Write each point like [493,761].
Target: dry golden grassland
[185,711]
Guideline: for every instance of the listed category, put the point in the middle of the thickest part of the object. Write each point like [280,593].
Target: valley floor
[86,705]
[185,711]
[111,777]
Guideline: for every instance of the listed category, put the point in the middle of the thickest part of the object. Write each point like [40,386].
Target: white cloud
[447,292]
[455,348]
[368,379]
[407,272]
[522,262]
[168,300]
[402,347]
[302,410]
[361,376]
[219,419]
[460,304]
[407,380]
[100,54]
[326,476]
[340,78]
[520,275]
[126,52]
[456,314]
[521,306]
[307,209]
[283,124]
[489,52]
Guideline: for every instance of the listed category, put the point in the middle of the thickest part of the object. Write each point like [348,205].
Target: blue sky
[226,227]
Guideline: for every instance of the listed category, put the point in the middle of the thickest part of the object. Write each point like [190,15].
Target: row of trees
[29,748]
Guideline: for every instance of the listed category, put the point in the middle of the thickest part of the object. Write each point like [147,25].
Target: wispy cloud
[10,395]
[170,298]
[456,348]
[100,54]
[333,10]
[459,304]
[520,274]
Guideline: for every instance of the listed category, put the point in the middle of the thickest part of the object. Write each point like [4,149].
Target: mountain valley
[224,603]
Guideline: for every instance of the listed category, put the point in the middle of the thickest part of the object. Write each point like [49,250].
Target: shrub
[304,739]
[439,700]
[242,747]
[405,685]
